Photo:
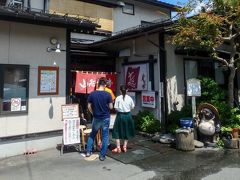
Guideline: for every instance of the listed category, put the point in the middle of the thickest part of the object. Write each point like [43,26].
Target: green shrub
[146,122]
[220,144]
[174,117]
[213,94]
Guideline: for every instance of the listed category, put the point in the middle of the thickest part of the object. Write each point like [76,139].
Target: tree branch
[223,61]
[231,37]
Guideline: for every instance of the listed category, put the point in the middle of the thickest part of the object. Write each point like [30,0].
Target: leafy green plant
[212,93]
[174,117]
[146,122]
[220,144]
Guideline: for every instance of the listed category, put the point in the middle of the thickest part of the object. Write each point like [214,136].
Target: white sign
[193,87]
[70,111]
[71,131]
[15,104]
[148,99]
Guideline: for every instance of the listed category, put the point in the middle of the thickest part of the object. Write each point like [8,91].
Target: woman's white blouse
[124,105]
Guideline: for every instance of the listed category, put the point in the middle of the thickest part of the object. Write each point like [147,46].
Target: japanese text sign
[148,99]
[136,77]
[193,87]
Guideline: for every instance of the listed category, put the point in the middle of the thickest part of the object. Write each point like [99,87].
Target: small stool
[82,128]
[85,133]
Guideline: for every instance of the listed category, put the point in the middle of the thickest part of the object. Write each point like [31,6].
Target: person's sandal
[117,150]
[124,149]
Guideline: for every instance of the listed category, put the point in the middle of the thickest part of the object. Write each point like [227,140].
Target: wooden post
[193,106]
[185,141]
[62,146]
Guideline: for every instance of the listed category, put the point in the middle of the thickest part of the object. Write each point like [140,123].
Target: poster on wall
[148,99]
[15,104]
[71,132]
[136,77]
[48,78]
[86,81]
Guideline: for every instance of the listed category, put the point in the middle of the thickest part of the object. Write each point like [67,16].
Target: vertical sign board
[193,90]
[71,122]
[148,99]
[193,87]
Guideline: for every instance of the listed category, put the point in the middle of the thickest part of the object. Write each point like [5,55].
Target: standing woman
[123,126]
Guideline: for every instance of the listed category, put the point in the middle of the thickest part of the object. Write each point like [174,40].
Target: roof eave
[16,15]
[160,4]
[131,34]
[106,3]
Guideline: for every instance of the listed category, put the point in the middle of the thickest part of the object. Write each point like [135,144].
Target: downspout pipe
[29,5]
[162,74]
[68,65]
[45,6]
[162,65]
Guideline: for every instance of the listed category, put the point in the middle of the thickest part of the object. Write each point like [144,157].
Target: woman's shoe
[124,149]
[117,150]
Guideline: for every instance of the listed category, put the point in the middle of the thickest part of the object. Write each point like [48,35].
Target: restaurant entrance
[88,67]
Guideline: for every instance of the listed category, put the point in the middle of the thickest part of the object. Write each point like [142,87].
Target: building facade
[84,32]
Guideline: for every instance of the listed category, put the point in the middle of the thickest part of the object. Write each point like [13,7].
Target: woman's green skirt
[123,127]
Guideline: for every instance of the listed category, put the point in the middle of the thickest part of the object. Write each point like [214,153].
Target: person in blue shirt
[99,104]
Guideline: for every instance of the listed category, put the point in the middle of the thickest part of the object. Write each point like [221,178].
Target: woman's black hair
[123,89]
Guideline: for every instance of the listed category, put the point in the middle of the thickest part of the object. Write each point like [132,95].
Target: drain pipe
[162,77]
[161,67]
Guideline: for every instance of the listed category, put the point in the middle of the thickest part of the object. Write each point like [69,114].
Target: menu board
[70,111]
[71,132]
[48,78]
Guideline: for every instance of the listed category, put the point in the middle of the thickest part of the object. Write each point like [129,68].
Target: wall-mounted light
[56,46]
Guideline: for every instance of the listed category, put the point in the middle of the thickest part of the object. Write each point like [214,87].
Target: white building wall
[143,48]
[26,44]
[142,12]
[37,5]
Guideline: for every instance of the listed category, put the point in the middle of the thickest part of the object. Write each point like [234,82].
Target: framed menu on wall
[48,80]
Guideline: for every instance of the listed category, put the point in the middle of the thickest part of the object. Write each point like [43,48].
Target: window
[200,67]
[195,68]
[14,82]
[128,9]
[18,4]
[146,23]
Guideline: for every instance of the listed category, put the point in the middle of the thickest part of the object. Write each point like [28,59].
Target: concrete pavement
[144,160]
